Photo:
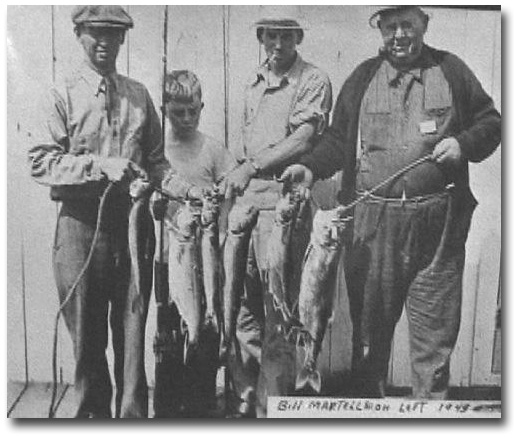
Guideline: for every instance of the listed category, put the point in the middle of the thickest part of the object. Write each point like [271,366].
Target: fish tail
[308,377]
[211,323]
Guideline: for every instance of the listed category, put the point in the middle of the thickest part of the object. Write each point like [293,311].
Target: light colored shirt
[276,107]
[90,118]
[202,168]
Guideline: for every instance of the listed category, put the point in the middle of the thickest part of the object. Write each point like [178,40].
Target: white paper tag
[428,127]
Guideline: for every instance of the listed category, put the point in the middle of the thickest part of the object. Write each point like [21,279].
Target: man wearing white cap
[411,103]
[287,102]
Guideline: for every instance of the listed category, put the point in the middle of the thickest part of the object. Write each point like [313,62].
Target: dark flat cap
[381,13]
[102,16]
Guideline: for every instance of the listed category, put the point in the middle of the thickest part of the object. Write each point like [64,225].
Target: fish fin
[331,319]
[308,377]
[189,351]
[301,379]
[138,304]
[223,353]
[315,381]
[307,252]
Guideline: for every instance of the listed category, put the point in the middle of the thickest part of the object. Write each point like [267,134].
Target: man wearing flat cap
[287,102]
[101,127]
[411,103]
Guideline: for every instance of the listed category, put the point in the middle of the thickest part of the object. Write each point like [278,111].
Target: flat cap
[102,16]
[279,17]
[375,18]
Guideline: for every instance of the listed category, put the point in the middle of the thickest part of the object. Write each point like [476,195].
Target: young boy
[201,161]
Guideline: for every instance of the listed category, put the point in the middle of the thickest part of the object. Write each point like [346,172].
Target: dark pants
[103,297]
[410,254]
[182,390]
[187,390]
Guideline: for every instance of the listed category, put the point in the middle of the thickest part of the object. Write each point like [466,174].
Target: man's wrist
[254,165]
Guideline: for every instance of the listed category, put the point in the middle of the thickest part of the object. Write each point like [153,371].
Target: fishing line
[72,292]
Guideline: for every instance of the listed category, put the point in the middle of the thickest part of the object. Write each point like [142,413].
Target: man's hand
[300,177]
[116,169]
[447,152]
[236,182]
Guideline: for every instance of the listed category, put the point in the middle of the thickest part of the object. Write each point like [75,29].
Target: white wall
[41,47]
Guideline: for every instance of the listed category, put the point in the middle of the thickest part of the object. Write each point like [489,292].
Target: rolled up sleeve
[313,102]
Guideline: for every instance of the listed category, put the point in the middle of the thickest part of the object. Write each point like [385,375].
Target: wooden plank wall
[337,39]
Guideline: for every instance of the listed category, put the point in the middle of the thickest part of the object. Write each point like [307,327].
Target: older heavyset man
[98,127]
[287,102]
[409,240]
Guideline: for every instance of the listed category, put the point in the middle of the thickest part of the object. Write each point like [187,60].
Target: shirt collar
[395,76]
[289,77]
[96,80]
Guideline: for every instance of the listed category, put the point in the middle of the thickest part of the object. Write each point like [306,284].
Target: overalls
[409,240]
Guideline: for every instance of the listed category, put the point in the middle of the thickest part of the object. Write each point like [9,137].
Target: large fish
[316,291]
[141,241]
[242,219]
[211,260]
[184,276]
[279,259]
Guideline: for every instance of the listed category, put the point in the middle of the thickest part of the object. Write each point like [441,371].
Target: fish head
[285,209]
[242,218]
[210,210]
[187,220]
[325,230]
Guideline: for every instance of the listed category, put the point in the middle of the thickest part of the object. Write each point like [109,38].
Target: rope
[388,180]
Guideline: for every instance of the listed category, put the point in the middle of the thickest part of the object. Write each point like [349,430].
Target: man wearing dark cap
[408,241]
[287,102]
[101,127]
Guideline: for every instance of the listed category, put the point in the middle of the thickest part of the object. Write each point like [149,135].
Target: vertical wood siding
[338,38]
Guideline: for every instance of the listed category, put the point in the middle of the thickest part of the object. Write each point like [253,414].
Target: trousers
[263,362]
[407,254]
[103,298]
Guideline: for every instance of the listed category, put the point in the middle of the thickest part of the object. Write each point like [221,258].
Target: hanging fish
[279,255]
[210,261]
[141,242]
[241,221]
[316,291]
[184,273]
